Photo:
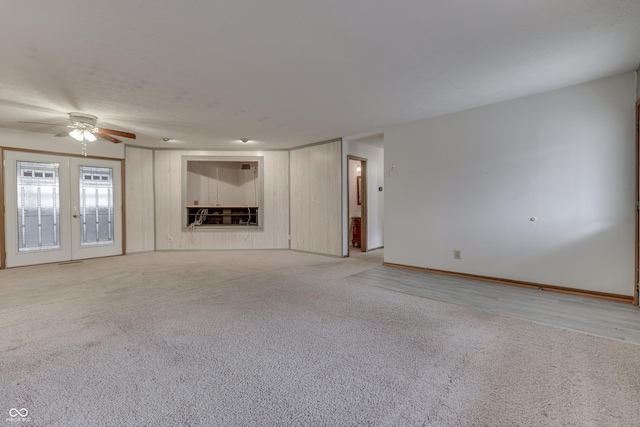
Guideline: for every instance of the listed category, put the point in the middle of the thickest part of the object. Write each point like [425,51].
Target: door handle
[75,215]
[75,212]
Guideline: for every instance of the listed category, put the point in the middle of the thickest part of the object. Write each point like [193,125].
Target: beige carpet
[284,338]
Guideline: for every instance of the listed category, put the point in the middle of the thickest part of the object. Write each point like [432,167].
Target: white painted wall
[471,181]
[375,198]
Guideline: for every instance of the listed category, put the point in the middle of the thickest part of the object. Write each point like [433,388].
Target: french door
[61,208]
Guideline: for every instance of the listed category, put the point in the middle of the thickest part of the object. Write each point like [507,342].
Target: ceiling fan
[83,128]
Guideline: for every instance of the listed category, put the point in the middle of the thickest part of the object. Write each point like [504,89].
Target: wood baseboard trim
[531,285]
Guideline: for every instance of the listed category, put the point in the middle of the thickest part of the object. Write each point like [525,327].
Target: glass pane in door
[96,206]
[38,203]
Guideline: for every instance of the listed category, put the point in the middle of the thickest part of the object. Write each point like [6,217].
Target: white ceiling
[285,73]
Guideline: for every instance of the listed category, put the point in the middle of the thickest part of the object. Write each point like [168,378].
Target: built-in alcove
[222,192]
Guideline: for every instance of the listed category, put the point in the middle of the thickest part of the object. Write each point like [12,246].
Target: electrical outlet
[456,254]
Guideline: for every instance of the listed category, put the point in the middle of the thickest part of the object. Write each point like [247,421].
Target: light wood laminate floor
[620,321]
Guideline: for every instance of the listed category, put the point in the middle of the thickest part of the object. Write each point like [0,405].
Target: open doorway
[368,153]
[357,197]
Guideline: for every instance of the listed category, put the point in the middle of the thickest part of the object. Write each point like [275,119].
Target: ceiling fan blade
[40,123]
[118,133]
[65,133]
[107,137]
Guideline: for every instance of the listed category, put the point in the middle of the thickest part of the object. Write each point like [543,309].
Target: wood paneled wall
[139,200]
[316,198]
[170,233]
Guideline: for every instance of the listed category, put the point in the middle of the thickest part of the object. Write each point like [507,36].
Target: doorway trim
[363,199]
[3,150]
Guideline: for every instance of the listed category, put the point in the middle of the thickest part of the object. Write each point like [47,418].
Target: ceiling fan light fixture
[77,134]
[89,136]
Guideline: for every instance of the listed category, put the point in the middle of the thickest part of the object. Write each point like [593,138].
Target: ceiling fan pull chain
[84,148]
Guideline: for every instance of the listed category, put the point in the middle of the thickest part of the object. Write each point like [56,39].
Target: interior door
[61,208]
